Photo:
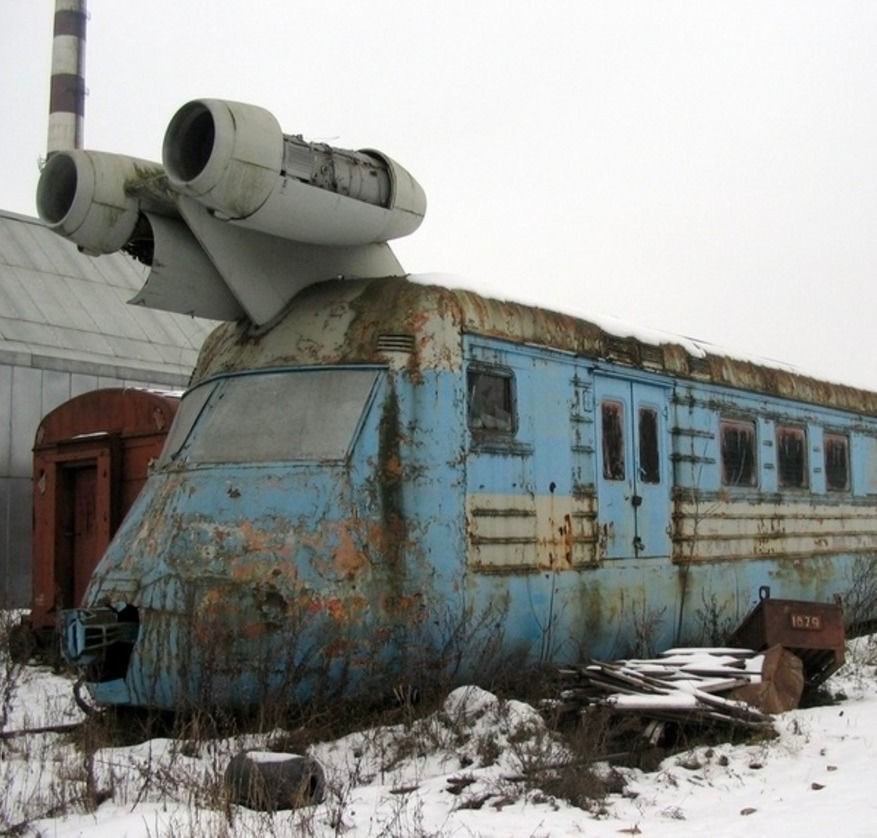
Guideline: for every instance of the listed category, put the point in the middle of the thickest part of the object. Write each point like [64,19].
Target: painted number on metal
[807,622]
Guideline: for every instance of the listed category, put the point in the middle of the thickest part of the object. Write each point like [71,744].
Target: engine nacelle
[234,159]
[86,196]
[240,218]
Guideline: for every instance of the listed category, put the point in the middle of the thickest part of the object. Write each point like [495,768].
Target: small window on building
[613,440]
[837,462]
[649,464]
[491,401]
[738,453]
[792,457]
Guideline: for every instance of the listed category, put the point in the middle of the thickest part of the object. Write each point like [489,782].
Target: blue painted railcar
[399,480]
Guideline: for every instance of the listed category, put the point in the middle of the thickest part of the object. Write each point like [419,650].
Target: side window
[738,452]
[837,462]
[612,414]
[649,462]
[491,400]
[792,457]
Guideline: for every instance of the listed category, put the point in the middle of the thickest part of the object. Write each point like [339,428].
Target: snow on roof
[59,304]
[695,347]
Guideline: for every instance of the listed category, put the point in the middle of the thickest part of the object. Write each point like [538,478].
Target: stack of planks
[681,685]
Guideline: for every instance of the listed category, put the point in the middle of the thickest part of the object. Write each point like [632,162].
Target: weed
[860,599]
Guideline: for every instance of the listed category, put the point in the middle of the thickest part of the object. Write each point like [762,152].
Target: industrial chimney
[67,96]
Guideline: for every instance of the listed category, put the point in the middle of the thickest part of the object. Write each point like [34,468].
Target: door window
[649,461]
[613,440]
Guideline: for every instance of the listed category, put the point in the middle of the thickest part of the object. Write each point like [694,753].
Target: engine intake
[87,197]
[240,217]
[235,159]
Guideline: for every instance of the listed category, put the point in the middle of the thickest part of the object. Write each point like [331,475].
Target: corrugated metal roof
[56,302]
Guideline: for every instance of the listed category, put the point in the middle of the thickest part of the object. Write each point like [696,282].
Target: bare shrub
[11,661]
[567,763]
[647,624]
[860,598]
[712,625]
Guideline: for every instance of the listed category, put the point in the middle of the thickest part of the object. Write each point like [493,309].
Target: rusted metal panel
[812,630]
[127,412]
[522,533]
[437,534]
[716,527]
[398,305]
[91,458]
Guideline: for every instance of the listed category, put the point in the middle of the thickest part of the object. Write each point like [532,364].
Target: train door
[74,509]
[85,544]
[633,491]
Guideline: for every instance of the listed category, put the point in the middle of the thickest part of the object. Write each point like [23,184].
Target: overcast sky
[705,168]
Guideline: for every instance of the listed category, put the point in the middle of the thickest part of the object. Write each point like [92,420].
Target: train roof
[359,321]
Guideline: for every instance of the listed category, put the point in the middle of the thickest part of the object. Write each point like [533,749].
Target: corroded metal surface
[337,536]
[92,456]
[814,631]
[353,312]
[713,527]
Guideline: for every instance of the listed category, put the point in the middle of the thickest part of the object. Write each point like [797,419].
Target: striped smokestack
[67,97]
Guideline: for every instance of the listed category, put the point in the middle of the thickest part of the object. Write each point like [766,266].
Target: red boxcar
[91,457]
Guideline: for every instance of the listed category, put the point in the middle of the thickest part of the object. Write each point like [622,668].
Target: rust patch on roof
[339,321]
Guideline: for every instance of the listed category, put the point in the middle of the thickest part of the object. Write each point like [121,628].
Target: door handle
[637,500]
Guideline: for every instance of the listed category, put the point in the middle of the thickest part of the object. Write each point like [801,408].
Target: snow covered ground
[456,772]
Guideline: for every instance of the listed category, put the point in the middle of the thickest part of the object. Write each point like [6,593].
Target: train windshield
[306,415]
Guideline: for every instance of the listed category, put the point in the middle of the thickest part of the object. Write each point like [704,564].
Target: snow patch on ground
[453,772]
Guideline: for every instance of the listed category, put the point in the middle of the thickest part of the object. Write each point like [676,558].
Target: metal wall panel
[14,303]
[21,282]
[56,251]
[89,342]
[26,414]
[17,576]
[13,251]
[15,540]
[113,269]
[33,334]
[106,381]
[126,348]
[4,541]
[55,391]
[5,419]
[80,384]
[76,315]
[29,248]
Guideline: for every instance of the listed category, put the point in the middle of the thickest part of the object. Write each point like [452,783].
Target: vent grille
[619,349]
[652,356]
[396,343]
[699,367]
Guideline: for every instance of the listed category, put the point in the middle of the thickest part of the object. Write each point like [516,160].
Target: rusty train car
[390,479]
[92,455]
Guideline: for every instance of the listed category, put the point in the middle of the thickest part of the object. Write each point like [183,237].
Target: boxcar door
[633,491]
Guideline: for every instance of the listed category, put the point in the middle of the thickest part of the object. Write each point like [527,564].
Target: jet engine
[240,217]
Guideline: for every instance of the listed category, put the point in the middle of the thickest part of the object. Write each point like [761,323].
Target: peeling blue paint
[429,549]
